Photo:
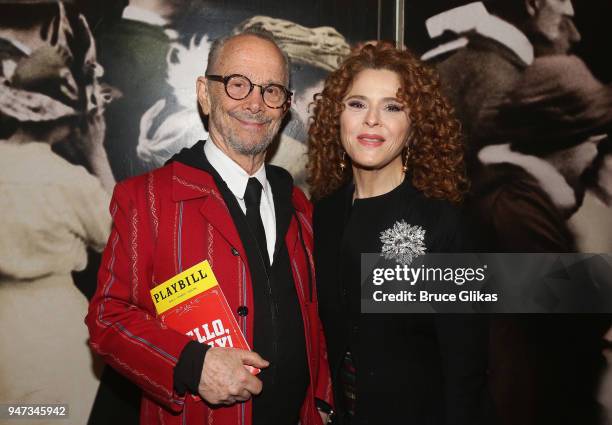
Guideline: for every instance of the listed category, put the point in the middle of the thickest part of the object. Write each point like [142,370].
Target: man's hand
[224,378]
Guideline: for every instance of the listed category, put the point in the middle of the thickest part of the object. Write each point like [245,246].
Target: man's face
[554,21]
[604,180]
[600,180]
[247,126]
[574,161]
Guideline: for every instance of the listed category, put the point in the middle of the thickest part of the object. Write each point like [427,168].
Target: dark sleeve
[523,220]
[463,342]
[188,370]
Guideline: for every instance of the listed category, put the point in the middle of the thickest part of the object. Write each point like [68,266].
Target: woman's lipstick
[370,140]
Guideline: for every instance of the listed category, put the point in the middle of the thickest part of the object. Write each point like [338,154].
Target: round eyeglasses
[239,87]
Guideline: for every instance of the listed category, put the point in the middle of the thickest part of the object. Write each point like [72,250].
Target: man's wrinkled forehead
[253,57]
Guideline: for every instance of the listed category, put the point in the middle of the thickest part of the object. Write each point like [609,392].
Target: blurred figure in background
[173,122]
[495,42]
[133,51]
[51,210]
[554,126]
[533,116]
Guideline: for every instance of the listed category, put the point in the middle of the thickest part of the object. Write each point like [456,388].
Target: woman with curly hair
[384,149]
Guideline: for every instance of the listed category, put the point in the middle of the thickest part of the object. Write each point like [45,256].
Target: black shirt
[422,369]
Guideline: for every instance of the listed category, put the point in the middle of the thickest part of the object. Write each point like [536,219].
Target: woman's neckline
[382,196]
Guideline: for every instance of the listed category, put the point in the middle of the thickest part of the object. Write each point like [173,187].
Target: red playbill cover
[193,303]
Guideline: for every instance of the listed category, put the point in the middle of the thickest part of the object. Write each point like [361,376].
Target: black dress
[412,369]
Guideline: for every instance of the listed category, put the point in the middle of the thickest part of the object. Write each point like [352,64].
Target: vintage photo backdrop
[94,93]
[576,103]
[531,85]
[70,130]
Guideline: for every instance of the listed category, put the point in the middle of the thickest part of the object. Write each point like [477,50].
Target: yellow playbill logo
[183,286]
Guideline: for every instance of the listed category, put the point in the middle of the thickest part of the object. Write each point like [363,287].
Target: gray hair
[217,47]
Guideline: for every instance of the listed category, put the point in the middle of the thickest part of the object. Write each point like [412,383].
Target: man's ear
[286,107]
[533,7]
[203,95]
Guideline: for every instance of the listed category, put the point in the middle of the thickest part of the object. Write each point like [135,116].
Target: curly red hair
[436,162]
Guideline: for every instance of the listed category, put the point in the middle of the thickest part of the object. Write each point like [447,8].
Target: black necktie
[252,199]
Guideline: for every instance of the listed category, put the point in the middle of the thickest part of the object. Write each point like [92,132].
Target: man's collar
[135,13]
[508,35]
[231,173]
[474,18]
[550,180]
[190,183]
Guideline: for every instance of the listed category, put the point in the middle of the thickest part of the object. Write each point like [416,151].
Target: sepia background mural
[92,93]
[531,85]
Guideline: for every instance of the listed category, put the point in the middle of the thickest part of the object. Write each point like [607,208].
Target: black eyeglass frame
[262,88]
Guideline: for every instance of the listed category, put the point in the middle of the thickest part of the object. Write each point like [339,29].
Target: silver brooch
[403,242]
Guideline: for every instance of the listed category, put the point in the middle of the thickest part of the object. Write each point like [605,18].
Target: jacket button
[243,310]
[235,252]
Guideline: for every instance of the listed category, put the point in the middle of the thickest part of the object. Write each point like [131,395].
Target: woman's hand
[92,143]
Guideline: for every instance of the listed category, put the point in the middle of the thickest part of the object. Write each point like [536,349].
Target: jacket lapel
[189,183]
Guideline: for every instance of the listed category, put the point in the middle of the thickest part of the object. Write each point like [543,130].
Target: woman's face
[374,125]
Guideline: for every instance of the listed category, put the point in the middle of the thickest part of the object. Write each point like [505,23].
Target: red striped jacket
[165,222]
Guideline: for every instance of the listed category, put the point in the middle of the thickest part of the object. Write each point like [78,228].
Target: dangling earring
[342,163]
[406,156]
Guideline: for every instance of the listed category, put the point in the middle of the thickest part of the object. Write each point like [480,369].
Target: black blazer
[417,369]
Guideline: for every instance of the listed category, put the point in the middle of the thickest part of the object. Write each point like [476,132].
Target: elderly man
[218,201]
